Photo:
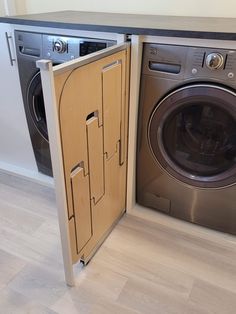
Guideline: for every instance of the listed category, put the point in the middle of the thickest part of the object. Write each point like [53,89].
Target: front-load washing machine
[30,47]
[186,150]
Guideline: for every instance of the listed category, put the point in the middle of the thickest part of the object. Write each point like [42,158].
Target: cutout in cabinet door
[81,204]
[112,97]
[95,158]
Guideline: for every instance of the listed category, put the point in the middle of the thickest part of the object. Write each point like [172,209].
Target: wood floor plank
[213,298]
[114,308]
[29,200]
[95,285]
[19,219]
[29,248]
[10,265]
[14,303]
[148,298]
[133,267]
[39,284]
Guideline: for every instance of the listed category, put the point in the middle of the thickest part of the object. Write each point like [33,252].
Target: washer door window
[192,134]
[36,105]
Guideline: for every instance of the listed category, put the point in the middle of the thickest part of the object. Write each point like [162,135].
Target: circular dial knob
[214,60]
[60,46]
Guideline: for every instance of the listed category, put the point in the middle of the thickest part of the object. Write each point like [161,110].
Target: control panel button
[194,71]
[230,75]
[214,61]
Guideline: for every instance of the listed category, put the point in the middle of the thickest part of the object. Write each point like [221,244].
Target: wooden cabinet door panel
[88,139]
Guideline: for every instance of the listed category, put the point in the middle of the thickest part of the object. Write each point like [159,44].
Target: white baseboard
[26,174]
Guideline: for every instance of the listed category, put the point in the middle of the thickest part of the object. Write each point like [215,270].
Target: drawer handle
[8,37]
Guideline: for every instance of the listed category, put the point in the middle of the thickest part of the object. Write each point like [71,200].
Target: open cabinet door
[86,106]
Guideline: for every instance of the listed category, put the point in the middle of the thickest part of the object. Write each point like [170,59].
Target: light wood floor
[143,267]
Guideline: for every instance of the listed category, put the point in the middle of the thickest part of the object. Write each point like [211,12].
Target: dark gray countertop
[192,27]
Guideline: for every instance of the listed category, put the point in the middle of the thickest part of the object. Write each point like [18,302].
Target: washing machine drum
[192,135]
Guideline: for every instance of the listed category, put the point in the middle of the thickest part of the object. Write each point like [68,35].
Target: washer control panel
[183,62]
[55,47]
[67,48]
[210,63]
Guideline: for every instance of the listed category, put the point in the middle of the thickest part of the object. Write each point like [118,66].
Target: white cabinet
[16,153]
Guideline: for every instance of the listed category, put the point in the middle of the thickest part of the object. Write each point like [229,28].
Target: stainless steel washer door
[192,135]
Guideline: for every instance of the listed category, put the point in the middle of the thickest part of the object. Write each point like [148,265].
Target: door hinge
[128,37]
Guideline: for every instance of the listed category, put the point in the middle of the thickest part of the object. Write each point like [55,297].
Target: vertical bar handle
[9,49]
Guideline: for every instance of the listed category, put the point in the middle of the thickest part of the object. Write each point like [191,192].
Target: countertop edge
[121,29]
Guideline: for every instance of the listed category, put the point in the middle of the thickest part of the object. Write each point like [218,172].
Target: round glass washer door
[36,105]
[192,135]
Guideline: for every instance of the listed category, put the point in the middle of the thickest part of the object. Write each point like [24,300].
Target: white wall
[2,10]
[217,8]
[12,7]
[8,7]
[20,6]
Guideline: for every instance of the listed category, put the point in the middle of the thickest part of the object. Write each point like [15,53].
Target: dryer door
[192,135]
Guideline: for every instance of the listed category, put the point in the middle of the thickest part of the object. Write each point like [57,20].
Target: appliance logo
[153,51]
